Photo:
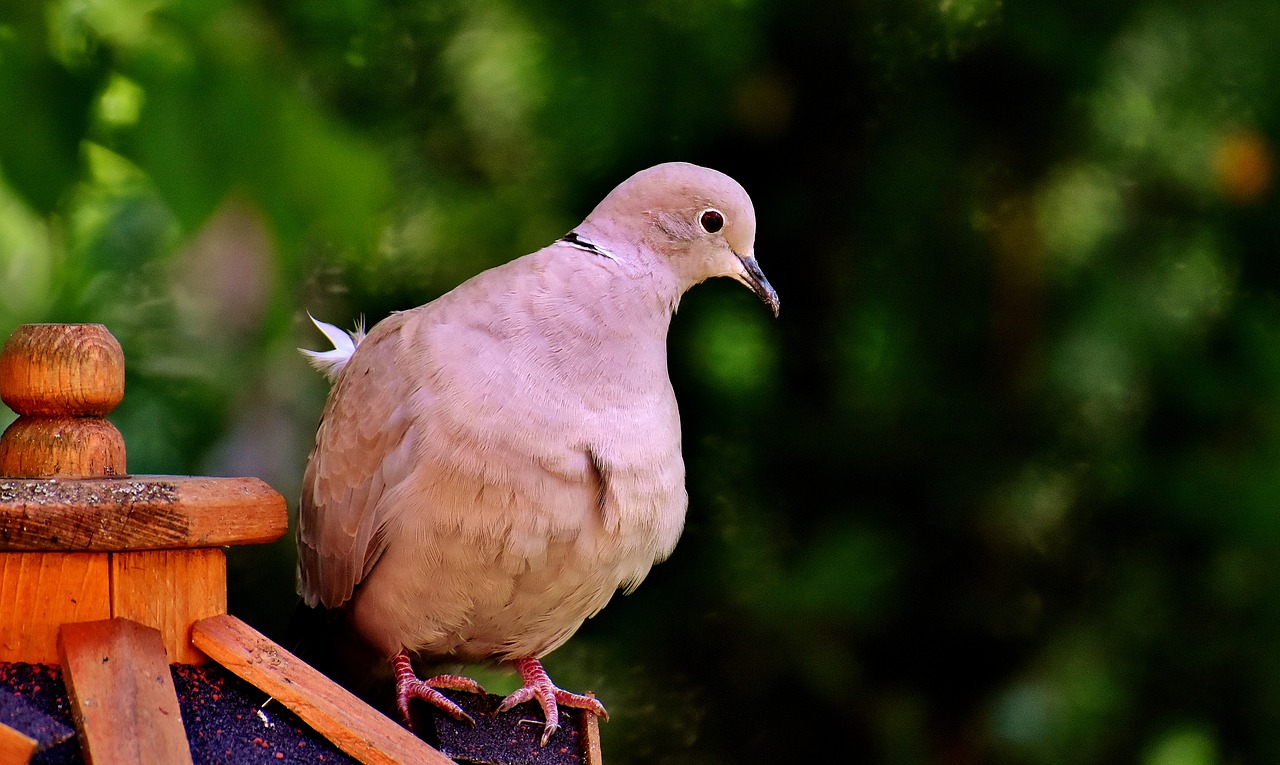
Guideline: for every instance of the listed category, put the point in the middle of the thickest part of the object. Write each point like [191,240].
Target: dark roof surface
[230,721]
[225,717]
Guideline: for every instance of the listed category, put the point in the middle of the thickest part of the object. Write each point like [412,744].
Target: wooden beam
[122,695]
[352,725]
[40,591]
[591,739]
[170,590]
[138,513]
[16,747]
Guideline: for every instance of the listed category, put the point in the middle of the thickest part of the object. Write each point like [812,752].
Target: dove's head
[700,221]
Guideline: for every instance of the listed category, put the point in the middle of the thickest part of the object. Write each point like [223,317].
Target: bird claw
[421,689]
[410,687]
[517,698]
[537,685]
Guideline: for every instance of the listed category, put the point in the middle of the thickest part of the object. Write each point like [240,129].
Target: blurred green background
[1002,485]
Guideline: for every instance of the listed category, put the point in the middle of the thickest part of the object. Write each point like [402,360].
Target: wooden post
[40,592]
[80,539]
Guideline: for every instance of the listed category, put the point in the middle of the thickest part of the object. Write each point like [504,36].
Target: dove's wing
[363,447]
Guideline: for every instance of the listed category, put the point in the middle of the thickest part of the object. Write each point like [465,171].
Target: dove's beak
[753,277]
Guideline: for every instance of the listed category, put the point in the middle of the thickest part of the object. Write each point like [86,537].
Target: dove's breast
[542,481]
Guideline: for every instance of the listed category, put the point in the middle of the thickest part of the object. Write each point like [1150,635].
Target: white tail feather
[344,344]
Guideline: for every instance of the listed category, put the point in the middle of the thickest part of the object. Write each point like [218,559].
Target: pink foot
[409,687]
[550,698]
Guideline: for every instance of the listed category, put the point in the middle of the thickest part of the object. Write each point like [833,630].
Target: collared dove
[491,466]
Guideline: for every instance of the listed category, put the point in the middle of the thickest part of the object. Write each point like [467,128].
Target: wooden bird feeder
[114,577]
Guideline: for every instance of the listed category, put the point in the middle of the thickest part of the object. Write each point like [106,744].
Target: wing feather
[358,458]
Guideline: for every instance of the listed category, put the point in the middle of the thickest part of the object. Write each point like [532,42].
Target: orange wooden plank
[352,725]
[16,747]
[138,513]
[123,700]
[170,590]
[40,591]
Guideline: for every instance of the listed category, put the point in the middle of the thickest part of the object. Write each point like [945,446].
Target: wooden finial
[79,540]
[62,379]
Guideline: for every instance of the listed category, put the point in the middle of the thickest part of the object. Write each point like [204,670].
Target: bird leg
[537,685]
[409,687]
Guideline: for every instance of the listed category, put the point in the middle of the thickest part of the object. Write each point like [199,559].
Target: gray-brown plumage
[492,466]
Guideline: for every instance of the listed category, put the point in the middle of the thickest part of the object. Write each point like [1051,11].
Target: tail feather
[330,363]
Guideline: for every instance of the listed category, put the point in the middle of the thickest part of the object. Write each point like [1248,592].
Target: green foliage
[1000,485]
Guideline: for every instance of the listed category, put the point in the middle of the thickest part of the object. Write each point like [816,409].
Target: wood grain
[352,726]
[170,590]
[62,369]
[138,513]
[591,738]
[16,747]
[40,591]
[122,695]
[37,447]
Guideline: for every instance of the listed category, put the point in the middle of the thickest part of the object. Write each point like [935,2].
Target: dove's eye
[711,220]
